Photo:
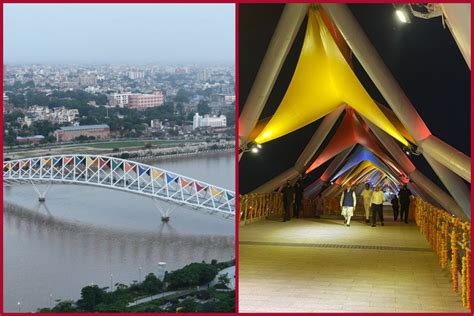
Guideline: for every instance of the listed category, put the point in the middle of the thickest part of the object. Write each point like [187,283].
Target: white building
[229,99]
[135,74]
[209,121]
[156,124]
[119,99]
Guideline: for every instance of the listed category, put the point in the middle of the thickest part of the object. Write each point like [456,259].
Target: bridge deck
[310,265]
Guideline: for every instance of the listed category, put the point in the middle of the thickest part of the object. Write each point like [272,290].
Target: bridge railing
[260,206]
[450,239]
[123,175]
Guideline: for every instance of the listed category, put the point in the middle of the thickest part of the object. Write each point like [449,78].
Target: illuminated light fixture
[412,150]
[252,147]
[402,16]
[403,13]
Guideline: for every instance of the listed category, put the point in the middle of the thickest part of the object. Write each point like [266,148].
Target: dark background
[422,56]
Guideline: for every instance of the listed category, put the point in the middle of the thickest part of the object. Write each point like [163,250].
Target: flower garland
[468,279]
[442,231]
[444,253]
[454,260]
[465,272]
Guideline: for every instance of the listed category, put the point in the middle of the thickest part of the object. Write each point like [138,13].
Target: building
[156,124]
[119,99]
[68,133]
[209,121]
[135,74]
[36,139]
[204,75]
[62,115]
[229,99]
[144,101]
[88,80]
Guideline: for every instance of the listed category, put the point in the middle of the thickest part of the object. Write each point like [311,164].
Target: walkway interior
[320,265]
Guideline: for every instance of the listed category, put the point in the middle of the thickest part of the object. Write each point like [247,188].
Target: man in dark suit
[298,198]
[288,199]
[404,197]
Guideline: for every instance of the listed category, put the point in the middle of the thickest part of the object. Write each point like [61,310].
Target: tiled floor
[300,266]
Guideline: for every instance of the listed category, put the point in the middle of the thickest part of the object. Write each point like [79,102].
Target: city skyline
[118,34]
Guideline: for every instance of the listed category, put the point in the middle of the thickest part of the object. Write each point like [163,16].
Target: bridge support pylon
[165,210]
[41,195]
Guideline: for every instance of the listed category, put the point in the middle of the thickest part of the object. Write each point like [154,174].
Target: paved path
[154,297]
[310,265]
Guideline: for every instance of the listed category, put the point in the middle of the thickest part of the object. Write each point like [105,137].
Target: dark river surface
[84,234]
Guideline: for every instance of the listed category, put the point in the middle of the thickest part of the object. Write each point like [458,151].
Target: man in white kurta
[366,195]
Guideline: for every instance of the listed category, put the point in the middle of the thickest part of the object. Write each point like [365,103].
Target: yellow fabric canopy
[322,81]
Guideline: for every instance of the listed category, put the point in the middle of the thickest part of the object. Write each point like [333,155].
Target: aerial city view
[119,158]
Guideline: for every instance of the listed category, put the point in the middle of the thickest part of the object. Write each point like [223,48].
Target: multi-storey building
[209,121]
[144,101]
[119,99]
[135,74]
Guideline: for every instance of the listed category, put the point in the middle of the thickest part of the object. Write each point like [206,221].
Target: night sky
[422,56]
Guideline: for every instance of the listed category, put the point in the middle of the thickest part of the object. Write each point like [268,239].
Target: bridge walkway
[320,265]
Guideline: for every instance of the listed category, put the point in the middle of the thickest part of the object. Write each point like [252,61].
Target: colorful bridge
[120,174]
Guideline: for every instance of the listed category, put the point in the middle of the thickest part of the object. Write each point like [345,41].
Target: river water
[84,234]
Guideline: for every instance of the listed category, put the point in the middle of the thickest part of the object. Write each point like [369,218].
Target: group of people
[373,203]
[372,200]
[292,199]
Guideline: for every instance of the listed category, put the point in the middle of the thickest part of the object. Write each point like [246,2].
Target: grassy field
[135,143]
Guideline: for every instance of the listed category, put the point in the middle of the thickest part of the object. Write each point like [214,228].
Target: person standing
[376,201]
[319,205]
[404,197]
[288,198]
[395,206]
[298,198]
[348,203]
[366,194]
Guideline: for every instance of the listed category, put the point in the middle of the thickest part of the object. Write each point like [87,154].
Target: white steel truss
[122,175]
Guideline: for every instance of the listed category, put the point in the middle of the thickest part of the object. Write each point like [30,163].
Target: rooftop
[83,127]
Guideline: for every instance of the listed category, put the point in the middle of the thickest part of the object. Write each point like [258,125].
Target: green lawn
[136,143]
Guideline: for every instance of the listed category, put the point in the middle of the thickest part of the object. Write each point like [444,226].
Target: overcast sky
[119,33]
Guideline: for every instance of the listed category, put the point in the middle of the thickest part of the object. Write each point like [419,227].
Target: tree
[224,280]
[152,284]
[182,96]
[91,296]
[187,306]
[191,275]
[203,108]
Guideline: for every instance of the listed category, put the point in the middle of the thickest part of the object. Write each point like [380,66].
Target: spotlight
[259,146]
[402,13]
[254,150]
[402,16]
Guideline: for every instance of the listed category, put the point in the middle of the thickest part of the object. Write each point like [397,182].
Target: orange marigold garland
[454,260]
[465,272]
[468,279]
